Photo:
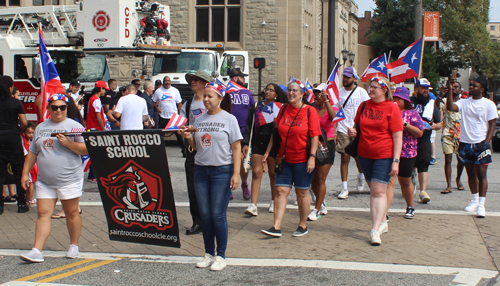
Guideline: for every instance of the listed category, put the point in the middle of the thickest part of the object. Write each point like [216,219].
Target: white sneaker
[34,255]
[344,194]
[73,251]
[322,209]
[271,207]
[313,197]
[219,264]
[375,237]
[384,227]
[314,215]
[472,207]
[207,261]
[361,184]
[252,210]
[481,211]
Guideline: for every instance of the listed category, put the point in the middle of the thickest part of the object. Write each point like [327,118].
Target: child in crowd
[27,136]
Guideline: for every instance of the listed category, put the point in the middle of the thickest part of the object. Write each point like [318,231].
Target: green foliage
[430,67]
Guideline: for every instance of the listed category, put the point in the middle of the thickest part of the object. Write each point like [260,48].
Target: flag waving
[175,122]
[50,81]
[310,96]
[233,87]
[333,86]
[340,115]
[375,69]
[408,63]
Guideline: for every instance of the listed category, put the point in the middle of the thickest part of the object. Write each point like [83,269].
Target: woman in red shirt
[294,123]
[379,148]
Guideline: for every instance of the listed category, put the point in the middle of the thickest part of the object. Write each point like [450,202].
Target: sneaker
[207,261]
[361,184]
[344,194]
[23,209]
[433,161]
[252,210]
[410,212]
[314,215]
[246,191]
[271,207]
[34,255]
[322,209]
[375,237]
[384,227]
[73,251]
[472,207]
[219,264]
[300,231]
[313,197]
[424,197]
[481,211]
[92,180]
[272,232]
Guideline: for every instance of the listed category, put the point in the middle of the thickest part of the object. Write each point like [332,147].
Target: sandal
[460,187]
[446,191]
[57,216]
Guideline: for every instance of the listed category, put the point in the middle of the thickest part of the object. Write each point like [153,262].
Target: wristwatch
[395,160]
[405,124]
[312,155]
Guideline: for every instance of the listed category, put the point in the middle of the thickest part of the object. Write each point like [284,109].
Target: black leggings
[11,151]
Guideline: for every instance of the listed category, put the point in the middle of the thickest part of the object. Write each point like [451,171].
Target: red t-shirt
[94,107]
[378,122]
[296,147]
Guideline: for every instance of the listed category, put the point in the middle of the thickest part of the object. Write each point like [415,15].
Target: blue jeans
[212,187]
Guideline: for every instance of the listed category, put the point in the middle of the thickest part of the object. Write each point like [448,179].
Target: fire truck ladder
[58,24]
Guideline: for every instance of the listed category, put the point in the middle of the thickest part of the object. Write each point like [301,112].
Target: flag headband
[219,89]
[58,96]
[379,81]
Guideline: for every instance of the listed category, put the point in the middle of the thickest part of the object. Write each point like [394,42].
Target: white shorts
[63,193]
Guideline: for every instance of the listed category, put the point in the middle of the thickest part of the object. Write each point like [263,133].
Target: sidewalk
[437,240]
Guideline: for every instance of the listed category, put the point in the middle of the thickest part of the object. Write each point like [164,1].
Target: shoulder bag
[352,148]
[323,153]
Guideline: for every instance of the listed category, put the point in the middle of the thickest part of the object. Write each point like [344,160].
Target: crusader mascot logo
[137,194]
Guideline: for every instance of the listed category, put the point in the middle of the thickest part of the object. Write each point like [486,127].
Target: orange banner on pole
[431,26]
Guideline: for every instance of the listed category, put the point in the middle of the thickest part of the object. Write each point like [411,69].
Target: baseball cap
[423,82]
[74,82]
[158,82]
[320,87]
[350,71]
[403,93]
[101,83]
[236,72]
[201,74]
[483,81]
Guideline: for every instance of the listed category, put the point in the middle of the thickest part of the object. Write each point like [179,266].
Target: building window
[492,28]
[218,20]
[45,2]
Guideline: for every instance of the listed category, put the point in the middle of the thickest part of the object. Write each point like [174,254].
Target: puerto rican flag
[175,122]
[269,113]
[233,87]
[310,97]
[224,87]
[50,80]
[85,162]
[408,63]
[376,68]
[340,114]
[333,86]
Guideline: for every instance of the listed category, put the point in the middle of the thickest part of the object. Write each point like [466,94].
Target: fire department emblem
[101,21]
[137,194]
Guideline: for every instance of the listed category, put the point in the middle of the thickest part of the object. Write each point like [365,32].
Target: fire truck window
[1,65]
[23,64]
[3,2]
[14,2]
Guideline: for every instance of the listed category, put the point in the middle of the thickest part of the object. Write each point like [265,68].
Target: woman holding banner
[217,170]
[60,175]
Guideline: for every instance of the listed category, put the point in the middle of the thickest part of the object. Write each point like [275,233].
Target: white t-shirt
[350,109]
[197,110]
[132,108]
[168,99]
[475,116]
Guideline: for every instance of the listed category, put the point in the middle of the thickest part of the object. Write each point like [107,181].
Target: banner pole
[421,58]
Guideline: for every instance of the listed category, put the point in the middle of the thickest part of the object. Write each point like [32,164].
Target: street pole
[331,36]
[418,19]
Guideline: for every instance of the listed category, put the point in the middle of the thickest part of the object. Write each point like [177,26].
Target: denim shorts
[295,175]
[376,170]
[474,154]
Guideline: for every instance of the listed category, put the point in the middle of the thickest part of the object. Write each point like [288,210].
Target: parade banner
[431,26]
[134,182]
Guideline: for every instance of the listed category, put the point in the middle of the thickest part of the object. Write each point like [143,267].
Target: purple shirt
[242,100]
[411,117]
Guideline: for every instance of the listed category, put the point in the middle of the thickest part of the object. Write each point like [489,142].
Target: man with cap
[192,109]
[132,109]
[242,100]
[350,98]
[479,115]
[425,106]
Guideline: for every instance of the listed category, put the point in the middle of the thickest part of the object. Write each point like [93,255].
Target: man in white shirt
[350,98]
[132,109]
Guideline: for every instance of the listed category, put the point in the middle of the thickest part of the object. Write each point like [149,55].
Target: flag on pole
[85,162]
[50,80]
[340,115]
[375,69]
[290,79]
[175,122]
[232,87]
[333,86]
[408,63]
[310,96]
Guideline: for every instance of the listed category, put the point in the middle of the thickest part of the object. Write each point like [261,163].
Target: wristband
[395,160]
[312,155]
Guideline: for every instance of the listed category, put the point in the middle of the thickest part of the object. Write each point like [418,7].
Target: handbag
[247,164]
[280,160]
[323,153]
[352,148]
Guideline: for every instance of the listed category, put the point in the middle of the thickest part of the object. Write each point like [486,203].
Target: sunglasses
[196,79]
[60,107]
